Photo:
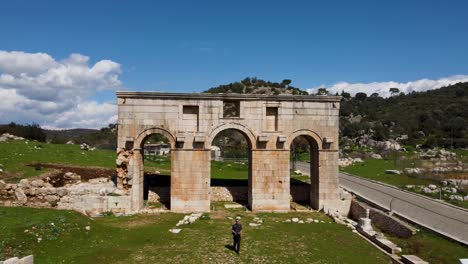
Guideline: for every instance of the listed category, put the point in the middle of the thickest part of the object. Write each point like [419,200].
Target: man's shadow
[230,247]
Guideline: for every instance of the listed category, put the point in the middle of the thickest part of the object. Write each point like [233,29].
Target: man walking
[236,234]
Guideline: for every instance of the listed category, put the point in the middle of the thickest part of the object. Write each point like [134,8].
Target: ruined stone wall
[383,221]
[92,198]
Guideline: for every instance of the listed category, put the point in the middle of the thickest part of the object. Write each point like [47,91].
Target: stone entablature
[269,123]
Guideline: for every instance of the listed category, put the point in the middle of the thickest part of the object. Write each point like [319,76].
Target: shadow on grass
[230,247]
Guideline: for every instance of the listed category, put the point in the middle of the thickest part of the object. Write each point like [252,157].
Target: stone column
[136,170]
[328,192]
[190,180]
[270,180]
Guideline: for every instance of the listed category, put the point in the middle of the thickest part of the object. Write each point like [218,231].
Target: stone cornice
[227,96]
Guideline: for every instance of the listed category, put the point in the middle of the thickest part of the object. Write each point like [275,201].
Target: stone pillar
[190,180]
[328,191]
[270,180]
[136,172]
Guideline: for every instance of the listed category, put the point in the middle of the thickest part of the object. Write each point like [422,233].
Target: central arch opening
[156,150]
[231,167]
[304,172]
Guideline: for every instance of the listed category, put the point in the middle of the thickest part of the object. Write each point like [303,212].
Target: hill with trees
[252,85]
[432,118]
[436,118]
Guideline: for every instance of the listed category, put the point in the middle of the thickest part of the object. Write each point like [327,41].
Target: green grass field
[431,247]
[146,239]
[375,170]
[16,155]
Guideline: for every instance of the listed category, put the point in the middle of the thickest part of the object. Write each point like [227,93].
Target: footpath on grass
[443,218]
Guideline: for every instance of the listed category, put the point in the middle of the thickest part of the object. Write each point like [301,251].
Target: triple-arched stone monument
[269,123]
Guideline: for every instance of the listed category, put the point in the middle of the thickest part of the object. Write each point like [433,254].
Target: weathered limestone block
[37,183]
[24,183]
[27,260]
[2,185]
[14,260]
[20,195]
[123,162]
[52,198]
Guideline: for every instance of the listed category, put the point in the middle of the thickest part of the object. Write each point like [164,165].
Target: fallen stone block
[412,259]
[20,195]
[175,230]
[11,261]
[233,206]
[27,260]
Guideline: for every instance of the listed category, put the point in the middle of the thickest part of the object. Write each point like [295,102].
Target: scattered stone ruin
[190,122]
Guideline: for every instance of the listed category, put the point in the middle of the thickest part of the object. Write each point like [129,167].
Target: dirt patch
[86,173]
[11,177]
[137,221]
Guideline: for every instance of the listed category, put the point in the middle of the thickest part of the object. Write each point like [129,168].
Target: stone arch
[250,136]
[154,130]
[309,134]
[315,143]
[137,172]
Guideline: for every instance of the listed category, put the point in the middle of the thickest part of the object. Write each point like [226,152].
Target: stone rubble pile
[345,162]
[256,222]
[92,198]
[450,189]
[299,221]
[6,136]
[189,219]
[25,260]
[366,141]
[85,146]
[440,154]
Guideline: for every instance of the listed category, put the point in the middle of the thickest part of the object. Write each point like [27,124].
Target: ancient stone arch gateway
[269,123]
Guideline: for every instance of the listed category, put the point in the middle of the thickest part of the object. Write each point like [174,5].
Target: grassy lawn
[145,239]
[431,247]
[16,155]
[374,169]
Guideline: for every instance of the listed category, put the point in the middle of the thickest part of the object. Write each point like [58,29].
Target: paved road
[442,218]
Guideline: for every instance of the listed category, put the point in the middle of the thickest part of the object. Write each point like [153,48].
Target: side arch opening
[304,174]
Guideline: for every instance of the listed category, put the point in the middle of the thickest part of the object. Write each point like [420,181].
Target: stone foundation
[299,193]
[384,222]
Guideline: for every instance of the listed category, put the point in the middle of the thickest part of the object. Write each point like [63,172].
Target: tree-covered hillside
[433,118]
[252,85]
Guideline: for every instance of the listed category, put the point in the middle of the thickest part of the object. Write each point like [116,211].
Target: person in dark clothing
[236,234]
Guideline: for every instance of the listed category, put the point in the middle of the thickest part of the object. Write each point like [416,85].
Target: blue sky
[189,46]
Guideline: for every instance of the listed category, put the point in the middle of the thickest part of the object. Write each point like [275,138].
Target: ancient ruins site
[269,123]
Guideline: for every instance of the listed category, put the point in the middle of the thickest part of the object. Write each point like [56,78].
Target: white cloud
[382,88]
[34,87]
